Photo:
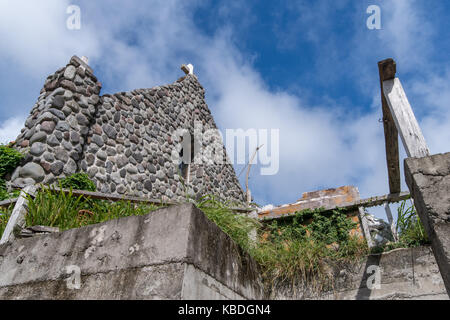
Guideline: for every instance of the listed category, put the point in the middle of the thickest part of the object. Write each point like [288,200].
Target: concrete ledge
[404,274]
[428,179]
[141,257]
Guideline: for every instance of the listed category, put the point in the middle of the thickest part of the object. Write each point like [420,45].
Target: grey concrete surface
[139,257]
[401,274]
[428,179]
[177,253]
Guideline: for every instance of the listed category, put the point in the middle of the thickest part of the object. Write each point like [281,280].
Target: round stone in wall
[38,137]
[37,149]
[69,73]
[32,170]
[148,185]
[48,126]
[57,168]
[70,167]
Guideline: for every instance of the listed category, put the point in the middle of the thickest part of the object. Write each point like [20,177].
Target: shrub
[409,227]
[238,227]
[5,213]
[410,230]
[78,181]
[9,160]
[291,251]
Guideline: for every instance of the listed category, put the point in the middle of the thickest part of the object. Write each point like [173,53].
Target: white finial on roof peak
[188,69]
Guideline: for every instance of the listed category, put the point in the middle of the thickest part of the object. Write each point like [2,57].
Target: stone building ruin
[123,141]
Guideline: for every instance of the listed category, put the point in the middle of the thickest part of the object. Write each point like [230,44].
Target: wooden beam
[365,226]
[387,208]
[366,203]
[8,202]
[387,70]
[379,200]
[17,217]
[405,121]
[112,197]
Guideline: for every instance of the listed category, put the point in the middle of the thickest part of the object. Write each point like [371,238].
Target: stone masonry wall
[123,141]
[57,127]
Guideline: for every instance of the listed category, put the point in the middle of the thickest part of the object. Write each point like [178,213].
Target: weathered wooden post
[387,70]
[427,177]
[365,227]
[17,218]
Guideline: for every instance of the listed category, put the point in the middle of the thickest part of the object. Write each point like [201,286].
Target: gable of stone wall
[57,126]
[123,141]
[130,145]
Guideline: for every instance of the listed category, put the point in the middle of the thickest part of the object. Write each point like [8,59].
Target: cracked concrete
[177,253]
[131,258]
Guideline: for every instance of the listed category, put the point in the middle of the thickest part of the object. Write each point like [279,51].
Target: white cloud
[10,128]
[35,37]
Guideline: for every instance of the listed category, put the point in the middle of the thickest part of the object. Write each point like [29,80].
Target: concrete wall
[177,253]
[403,274]
[123,141]
[428,179]
[171,253]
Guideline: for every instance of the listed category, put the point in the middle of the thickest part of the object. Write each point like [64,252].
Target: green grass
[304,249]
[409,227]
[292,252]
[67,211]
[5,213]
[289,252]
[237,226]
[4,194]
[410,230]
[9,160]
[78,181]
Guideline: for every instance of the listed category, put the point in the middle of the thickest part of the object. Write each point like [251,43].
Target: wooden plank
[387,208]
[379,200]
[367,203]
[404,119]
[387,70]
[112,197]
[7,202]
[17,217]
[365,226]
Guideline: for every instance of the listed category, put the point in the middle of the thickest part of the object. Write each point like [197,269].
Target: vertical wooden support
[387,208]
[17,217]
[387,70]
[365,226]
[404,119]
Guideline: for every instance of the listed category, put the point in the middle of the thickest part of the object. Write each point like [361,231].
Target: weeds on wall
[302,250]
[67,211]
[238,227]
[410,230]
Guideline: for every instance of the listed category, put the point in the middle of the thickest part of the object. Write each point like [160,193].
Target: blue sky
[307,68]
